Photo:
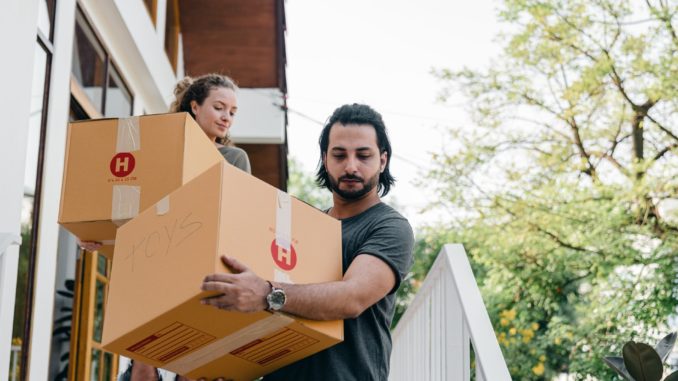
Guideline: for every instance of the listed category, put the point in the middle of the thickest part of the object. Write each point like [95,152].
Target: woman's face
[215,114]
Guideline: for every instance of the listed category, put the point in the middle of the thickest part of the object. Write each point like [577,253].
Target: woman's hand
[90,245]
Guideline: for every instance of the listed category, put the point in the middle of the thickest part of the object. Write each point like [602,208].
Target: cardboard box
[115,168]
[153,312]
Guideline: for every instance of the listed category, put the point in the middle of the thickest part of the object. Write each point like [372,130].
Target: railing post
[456,335]
[433,338]
[485,345]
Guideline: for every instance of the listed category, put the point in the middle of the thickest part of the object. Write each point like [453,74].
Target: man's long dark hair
[357,114]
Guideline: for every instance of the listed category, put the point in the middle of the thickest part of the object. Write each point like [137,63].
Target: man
[377,254]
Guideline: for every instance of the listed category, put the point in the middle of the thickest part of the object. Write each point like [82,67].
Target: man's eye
[364,157]
[339,156]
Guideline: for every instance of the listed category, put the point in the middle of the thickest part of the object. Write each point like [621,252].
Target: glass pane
[99,311]
[118,98]
[101,264]
[67,252]
[34,123]
[150,7]
[38,86]
[172,32]
[96,364]
[88,62]
[45,17]
[108,364]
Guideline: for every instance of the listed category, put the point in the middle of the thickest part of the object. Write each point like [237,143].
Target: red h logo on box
[285,259]
[122,164]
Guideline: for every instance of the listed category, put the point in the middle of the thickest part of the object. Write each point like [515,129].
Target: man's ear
[383,158]
[324,159]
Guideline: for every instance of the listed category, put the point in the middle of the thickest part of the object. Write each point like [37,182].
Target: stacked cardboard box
[153,313]
[158,187]
[115,168]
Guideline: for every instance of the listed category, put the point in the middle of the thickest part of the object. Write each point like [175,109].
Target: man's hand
[241,291]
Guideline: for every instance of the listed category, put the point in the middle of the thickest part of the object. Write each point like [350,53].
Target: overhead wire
[316,121]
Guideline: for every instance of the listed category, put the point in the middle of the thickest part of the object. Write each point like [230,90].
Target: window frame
[46,45]
[152,9]
[77,89]
[172,33]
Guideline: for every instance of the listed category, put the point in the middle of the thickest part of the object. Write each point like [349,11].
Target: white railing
[432,340]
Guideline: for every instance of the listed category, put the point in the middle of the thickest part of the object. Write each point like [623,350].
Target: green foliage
[562,191]
[21,284]
[302,185]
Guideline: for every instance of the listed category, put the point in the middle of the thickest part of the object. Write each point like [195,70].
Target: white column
[18,36]
[48,230]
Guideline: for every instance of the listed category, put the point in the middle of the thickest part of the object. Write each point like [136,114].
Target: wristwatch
[276,298]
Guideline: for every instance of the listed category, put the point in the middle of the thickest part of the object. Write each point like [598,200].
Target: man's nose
[351,165]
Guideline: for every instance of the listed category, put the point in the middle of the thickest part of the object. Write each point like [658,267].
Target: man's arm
[367,280]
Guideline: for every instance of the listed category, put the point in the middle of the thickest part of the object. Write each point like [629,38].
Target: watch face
[276,299]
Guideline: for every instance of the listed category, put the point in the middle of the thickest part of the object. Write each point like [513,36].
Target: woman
[211,100]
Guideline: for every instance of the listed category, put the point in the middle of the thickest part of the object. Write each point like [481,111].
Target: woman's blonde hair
[198,89]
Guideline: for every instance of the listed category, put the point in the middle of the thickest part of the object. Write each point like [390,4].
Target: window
[21,328]
[46,19]
[88,359]
[94,76]
[118,98]
[172,33]
[89,62]
[152,8]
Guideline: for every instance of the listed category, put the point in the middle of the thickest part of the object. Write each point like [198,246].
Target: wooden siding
[269,163]
[238,38]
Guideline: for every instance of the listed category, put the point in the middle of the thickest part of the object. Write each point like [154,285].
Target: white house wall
[18,26]
[260,118]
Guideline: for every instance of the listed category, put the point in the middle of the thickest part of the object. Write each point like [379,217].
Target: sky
[381,53]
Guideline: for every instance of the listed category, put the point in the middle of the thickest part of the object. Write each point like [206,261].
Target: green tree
[564,192]
[301,184]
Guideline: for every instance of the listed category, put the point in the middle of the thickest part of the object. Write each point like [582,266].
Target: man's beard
[353,194]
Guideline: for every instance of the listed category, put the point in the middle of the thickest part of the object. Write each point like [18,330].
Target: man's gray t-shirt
[366,350]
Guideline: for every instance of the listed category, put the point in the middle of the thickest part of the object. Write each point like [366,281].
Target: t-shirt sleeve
[392,241]
[239,159]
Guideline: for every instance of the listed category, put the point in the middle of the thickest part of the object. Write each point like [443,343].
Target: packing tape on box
[162,207]
[126,199]
[281,276]
[129,138]
[7,240]
[225,345]
[283,221]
